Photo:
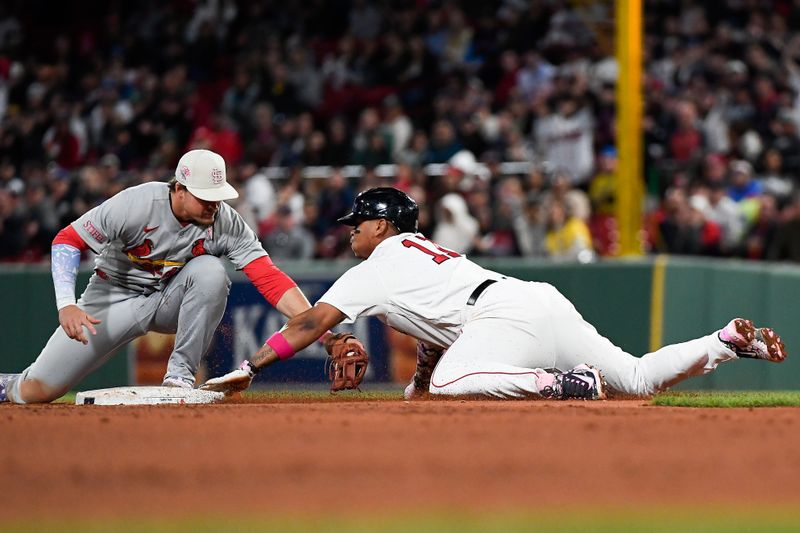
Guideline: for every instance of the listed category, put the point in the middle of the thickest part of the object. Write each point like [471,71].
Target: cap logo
[185,172]
[217,176]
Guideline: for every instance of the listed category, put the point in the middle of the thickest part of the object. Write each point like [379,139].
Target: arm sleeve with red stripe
[69,236]
[268,279]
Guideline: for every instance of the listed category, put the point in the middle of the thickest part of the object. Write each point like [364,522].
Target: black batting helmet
[384,202]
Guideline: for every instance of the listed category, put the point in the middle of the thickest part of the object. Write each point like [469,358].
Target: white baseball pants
[518,328]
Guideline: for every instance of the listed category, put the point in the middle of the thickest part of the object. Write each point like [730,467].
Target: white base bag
[147,396]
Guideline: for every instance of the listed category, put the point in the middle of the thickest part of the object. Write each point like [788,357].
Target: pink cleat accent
[738,334]
[750,342]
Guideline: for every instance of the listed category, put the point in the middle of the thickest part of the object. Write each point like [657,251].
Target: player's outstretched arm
[300,332]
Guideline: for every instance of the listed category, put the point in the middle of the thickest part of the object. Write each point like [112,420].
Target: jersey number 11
[439,254]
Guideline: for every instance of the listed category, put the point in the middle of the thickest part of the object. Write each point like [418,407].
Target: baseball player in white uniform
[157,269]
[482,333]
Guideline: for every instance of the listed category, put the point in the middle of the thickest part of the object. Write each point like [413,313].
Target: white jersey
[567,142]
[141,245]
[412,285]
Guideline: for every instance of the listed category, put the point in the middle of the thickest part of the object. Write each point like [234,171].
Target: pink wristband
[281,346]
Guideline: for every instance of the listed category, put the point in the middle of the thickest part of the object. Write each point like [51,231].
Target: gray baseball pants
[191,306]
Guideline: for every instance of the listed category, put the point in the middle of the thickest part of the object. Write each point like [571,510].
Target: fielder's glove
[348,363]
[235,381]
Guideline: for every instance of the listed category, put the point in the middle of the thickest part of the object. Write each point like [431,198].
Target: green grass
[575,519]
[729,399]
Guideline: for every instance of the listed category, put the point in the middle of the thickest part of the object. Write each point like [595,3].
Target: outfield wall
[638,304]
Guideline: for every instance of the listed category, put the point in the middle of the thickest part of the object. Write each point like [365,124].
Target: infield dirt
[65,460]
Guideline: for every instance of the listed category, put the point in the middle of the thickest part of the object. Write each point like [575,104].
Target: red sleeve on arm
[69,236]
[268,279]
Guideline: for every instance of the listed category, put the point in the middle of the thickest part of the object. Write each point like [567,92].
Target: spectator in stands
[241,97]
[535,77]
[457,47]
[444,143]
[365,20]
[683,228]
[314,150]
[500,239]
[287,239]
[742,184]
[773,178]
[576,201]
[259,191]
[416,154]
[456,228]
[721,86]
[786,141]
[333,202]
[717,207]
[369,124]
[397,125]
[567,236]
[761,233]
[564,137]
[686,140]
[531,230]
[603,187]
[786,245]
[375,153]
[304,77]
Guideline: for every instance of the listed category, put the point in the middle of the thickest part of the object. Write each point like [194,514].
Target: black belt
[478,291]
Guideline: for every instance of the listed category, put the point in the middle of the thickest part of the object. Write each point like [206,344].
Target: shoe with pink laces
[748,341]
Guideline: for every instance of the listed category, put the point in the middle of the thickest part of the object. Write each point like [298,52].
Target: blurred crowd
[96,96]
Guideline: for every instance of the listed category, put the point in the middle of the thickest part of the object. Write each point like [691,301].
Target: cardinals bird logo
[199,248]
[140,251]
[138,255]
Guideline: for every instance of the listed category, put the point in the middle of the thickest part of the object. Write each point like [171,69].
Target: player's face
[362,238]
[189,208]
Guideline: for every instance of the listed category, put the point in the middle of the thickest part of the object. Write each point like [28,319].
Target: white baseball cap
[202,172]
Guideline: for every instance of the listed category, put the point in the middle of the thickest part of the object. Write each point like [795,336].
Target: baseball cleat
[582,383]
[4,380]
[750,342]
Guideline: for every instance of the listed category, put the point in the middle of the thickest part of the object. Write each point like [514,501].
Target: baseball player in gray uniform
[482,333]
[157,269]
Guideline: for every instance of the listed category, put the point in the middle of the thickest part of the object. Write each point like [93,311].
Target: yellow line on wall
[657,303]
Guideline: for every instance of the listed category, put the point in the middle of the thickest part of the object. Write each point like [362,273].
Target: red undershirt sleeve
[270,280]
[69,236]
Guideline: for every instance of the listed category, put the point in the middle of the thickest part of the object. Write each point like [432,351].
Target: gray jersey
[141,245]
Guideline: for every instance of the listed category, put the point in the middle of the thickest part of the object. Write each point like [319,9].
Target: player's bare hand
[73,319]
